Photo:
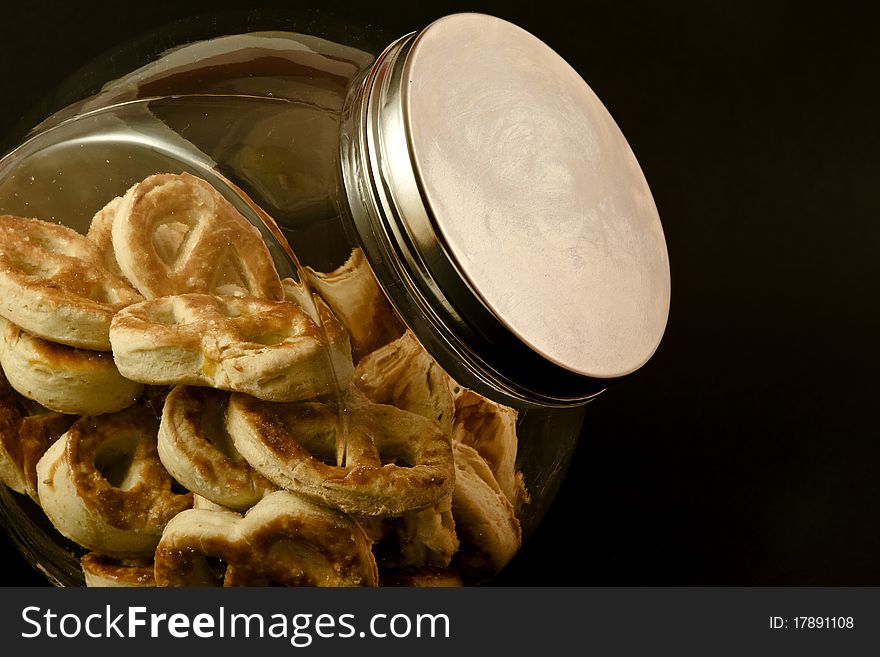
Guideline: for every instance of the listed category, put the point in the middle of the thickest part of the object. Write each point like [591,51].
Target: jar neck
[395,228]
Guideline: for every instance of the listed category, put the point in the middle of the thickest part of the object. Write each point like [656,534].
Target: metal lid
[518,218]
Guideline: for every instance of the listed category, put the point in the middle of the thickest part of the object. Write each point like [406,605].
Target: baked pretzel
[368,460]
[355,296]
[198,452]
[269,349]
[283,539]
[54,284]
[102,484]
[487,526]
[490,428]
[24,438]
[403,374]
[174,234]
[62,378]
[101,570]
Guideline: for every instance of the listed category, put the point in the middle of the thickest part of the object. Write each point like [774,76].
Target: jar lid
[508,211]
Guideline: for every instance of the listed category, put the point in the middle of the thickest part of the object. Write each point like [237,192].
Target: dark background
[747,451]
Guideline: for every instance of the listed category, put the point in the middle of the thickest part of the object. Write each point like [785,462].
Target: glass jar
[466,168]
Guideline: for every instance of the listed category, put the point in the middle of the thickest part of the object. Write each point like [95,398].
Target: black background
[747,451]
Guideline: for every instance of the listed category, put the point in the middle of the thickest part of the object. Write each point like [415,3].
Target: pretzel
[54,284]
[197,451]
[174,234]
[24,438]
[61,378]
[355,296]
[269,349]
[490,428]
[403,374]
[485,521]
[283,539]
[102,484]
[101,570]
[390,461]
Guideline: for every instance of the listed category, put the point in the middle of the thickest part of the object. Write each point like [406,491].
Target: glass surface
[263,129]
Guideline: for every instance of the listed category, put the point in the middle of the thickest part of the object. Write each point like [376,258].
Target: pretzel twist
[102,484]
[270,349]
[283,539]
[174,234]
[389,461]
[62,378]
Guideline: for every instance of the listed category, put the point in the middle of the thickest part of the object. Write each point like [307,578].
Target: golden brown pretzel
[102,484]
[270,349]
[392,461]
[54,284]
[283,539]
[174,234]
[62,378]
[198,452]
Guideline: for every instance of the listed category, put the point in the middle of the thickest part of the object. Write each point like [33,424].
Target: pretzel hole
[200,569]
[229,277]
[35,267]
[47,243]
[397,455]
[114,459]
[213,424]
[177,488]
[321,446]
[215,569]
[164,314]
[102,294]
[168,240]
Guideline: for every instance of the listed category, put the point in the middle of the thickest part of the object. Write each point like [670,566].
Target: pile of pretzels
[189,418]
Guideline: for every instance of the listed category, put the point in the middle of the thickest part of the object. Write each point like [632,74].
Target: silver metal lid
[506,199]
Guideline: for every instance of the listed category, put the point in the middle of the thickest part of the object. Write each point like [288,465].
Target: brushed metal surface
[535,194]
